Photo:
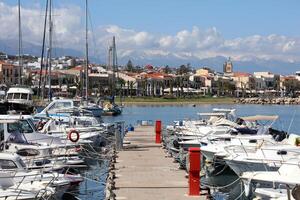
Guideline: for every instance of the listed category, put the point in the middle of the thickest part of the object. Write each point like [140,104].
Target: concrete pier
[144,172]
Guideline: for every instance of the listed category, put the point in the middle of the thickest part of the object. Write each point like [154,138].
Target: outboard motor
[277,135]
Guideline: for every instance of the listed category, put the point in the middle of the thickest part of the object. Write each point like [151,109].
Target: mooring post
[158,131]
[119,136]
[194,172]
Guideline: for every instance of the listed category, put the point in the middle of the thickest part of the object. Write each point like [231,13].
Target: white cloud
[185,44]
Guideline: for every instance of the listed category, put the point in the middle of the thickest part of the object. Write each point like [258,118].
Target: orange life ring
[70,136]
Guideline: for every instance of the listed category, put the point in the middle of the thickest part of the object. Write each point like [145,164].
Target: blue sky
[233,18]
[176,29]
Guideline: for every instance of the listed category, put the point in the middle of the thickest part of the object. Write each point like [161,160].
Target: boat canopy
[23,90]
[224,110]
[260,117]
[217,114]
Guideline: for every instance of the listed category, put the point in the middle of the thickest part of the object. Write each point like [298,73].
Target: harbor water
[96,173]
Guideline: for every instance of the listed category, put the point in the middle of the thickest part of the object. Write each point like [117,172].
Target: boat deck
[144,172]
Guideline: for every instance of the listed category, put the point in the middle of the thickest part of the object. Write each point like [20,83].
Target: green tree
[183,69]
[291,86]
[129,66]
[167,69]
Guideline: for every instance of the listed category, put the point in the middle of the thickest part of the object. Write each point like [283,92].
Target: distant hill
[11,47]
[173,60]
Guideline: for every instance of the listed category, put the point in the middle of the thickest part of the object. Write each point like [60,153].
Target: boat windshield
[22,126]
[30,121]
[21,163]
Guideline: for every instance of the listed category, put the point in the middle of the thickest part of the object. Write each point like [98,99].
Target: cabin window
[7,164]
[28,152]
[1,132]
[17,95]
[9,95]
[24,96]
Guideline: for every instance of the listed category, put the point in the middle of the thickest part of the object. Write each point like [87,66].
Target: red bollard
[194,173]
[158,131]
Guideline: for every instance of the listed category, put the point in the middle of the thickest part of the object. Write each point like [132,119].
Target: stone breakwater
[279,101]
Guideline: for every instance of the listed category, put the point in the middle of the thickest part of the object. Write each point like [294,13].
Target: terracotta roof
[156,75]
[5,63]
[241,74]
[53,72]
[288,78]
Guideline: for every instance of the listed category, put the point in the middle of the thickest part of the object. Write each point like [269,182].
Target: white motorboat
[281,184]
[266,158]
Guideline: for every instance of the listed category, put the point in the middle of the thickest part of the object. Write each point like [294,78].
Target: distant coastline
[174,101]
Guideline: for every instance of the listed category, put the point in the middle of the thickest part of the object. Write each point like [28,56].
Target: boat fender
[176,144]
[253,141]
[281,152]
[247,186]
[71,135]
[296,192]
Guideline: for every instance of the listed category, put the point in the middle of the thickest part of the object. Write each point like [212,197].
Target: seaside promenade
[144,172]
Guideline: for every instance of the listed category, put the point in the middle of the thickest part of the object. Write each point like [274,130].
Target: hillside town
[155,81]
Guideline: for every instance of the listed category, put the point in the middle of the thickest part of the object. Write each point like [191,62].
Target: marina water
[288,117]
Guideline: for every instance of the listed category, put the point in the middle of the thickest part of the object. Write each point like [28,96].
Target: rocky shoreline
[279,100]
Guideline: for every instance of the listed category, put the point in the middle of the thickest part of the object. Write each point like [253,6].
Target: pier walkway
[143,171]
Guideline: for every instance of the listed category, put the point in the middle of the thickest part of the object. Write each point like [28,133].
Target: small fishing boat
[18,99]
[111,109]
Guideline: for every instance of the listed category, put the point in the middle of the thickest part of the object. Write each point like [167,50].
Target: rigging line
[292,120]
[96,50]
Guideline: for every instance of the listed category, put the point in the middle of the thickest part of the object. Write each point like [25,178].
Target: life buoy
[71,136]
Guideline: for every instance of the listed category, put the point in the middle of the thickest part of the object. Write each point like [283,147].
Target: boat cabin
[20,95]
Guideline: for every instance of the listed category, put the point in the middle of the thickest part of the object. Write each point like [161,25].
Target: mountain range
[140,58]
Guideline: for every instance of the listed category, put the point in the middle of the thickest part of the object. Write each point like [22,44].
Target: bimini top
[225,110]
[260,117]
[217,114]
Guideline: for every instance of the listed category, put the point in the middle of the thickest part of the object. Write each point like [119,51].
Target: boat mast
[86,51]
[41,92]
[20,57]
[50,50]
[114,64]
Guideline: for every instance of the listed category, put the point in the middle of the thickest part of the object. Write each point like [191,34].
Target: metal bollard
[118,139]
[158,131]
[194,172]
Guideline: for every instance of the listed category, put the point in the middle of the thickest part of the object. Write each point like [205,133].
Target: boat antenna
[20,57]
[86,51]
[114,63]
[41,92]
[50,50]
[292,120]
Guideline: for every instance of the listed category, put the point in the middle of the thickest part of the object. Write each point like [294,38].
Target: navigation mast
[20,57]
[86,51]
[50,50]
